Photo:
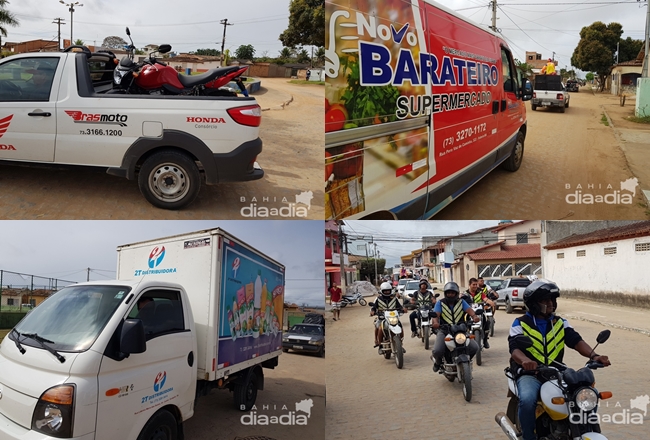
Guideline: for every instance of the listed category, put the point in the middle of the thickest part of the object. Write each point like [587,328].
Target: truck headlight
[54,412]
[315,342]
[460,338]
[285,339]
[586,399]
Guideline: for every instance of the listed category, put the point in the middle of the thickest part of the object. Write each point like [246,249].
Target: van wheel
[169,180]
[246,393]
[516,155]
[162,426]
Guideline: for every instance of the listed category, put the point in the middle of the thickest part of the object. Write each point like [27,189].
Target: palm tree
[6,18]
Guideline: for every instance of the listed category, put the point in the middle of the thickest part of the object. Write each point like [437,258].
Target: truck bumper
[239,165]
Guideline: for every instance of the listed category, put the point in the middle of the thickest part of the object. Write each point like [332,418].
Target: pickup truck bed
[548,91]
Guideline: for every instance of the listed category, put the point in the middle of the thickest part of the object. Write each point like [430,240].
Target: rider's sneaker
[436,367]
[414,334]
[486,344]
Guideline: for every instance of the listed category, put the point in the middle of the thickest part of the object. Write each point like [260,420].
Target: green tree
[589,76]
[245,52]
[286,53]
[319,56]
[79,42]
[527,69]
[208,52]
[303,57]
[368,268]
[306,24]
[629,49]
[114,42]
[595,51]
[6,18]
[226,57]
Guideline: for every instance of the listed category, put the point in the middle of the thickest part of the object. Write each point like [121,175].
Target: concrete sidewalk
[609,315]
[634,138]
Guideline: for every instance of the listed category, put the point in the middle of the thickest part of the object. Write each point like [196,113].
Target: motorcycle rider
[385,301]
[476,295]
[421,297]
[550,333]
[450,310]
[491,293]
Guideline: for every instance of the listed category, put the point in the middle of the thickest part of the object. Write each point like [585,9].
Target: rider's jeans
[412,318]
[439,348]
[528,387]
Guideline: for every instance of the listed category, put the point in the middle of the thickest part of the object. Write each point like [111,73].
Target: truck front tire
[169,180]
[516,155]
[162,426]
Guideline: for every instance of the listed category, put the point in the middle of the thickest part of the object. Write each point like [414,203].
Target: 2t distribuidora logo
[4,126]
[156,257]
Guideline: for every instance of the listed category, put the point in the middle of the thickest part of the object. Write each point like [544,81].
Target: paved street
[292,158]
[562,149]
[368,397]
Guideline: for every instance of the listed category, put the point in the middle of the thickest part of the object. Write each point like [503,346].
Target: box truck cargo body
[127,358]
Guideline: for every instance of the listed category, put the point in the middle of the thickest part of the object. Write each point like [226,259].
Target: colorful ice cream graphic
[250,302]
[231,323]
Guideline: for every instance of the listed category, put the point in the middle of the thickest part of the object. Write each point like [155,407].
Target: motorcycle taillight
[250,115]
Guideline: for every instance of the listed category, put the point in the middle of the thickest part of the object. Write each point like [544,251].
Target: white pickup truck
[54,110]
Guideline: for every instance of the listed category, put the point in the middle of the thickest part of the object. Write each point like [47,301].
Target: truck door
[28,92]
[133,389]
[510,107]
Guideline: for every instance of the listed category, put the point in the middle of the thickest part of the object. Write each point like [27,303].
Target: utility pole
[225,23]
[375,263]
[88,274]
[341,255]
[644,71]
[59,22]
[493,6]
[553,57]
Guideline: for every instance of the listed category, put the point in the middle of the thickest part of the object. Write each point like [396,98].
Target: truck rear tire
[533,107]
[169,180]
[161,426]
[516,155]
[246,393]
[562,109]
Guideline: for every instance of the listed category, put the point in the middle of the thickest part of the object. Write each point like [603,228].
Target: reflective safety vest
[452,315]
[549,347]
[476,297]
[383,304]
[424,298]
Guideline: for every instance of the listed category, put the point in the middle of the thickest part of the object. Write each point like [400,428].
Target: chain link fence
[21,292]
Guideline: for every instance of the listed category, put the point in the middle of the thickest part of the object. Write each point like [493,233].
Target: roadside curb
[280,106]
[609,324]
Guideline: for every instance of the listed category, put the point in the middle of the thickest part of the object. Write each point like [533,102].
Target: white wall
[509,234]
[625,271]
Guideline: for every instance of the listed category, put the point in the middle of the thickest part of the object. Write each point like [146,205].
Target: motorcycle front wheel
[479,341]
[492,327]
[466,374]
[425,333]
[363,302]
[399,353]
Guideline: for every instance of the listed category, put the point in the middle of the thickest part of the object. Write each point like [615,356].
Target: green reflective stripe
[555,345]
[452,316]
[537,350]
[478,297]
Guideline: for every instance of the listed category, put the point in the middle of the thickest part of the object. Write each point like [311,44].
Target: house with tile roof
[600,263]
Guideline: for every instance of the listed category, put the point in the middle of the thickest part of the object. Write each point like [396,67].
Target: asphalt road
[368,397]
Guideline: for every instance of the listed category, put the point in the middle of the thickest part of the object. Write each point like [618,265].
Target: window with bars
[560,255]
[641,247]
[495,270]
[522,238]
[581,253]
[611,250]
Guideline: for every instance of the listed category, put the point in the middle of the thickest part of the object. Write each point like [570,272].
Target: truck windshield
[73,317]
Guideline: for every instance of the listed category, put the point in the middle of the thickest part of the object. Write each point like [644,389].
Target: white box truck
[127,358]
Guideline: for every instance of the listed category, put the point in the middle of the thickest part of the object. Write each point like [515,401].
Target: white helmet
[385,286]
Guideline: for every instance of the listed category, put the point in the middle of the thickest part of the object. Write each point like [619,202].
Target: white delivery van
[420,104]
[126,359]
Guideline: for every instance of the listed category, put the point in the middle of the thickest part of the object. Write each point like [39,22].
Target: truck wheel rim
[169,182]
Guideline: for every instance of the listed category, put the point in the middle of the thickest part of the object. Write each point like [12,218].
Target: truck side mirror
[132,339]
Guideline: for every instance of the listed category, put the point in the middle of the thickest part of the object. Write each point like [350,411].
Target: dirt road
[292,158]
[298,377]
[566,156]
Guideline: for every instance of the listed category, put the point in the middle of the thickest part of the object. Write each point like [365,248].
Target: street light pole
[71,9]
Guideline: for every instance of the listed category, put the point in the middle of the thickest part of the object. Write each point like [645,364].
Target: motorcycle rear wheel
[479,341]
[466,374]
[363,302]
[426,333]
[399,353]
[492,327]
[343,304]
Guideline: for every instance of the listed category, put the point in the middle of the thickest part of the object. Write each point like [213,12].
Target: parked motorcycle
[353,299]
[567,403]
[456,361]
[151,76]
[392,342]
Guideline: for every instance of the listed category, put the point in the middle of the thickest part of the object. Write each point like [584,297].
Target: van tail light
[560,96]
[54,412]
[515,292]
[250,115]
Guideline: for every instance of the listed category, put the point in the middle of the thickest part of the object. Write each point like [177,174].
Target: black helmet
[537,291]
[451,286]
